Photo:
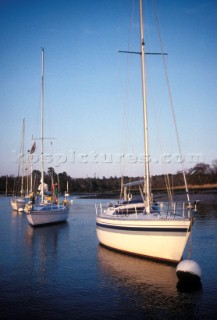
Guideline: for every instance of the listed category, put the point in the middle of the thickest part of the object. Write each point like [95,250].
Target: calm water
[61,272]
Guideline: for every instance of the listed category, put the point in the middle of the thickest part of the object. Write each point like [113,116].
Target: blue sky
[90,89]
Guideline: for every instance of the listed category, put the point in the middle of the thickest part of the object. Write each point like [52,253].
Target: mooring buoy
[188,271]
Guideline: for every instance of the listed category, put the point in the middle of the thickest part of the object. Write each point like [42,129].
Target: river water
[61,272]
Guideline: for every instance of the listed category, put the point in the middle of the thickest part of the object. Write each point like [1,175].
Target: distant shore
[203,195]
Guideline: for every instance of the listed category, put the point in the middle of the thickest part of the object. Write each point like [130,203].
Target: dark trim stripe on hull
[151,229]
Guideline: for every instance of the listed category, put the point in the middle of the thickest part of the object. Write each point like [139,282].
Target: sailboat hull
[41,214]
[153,238]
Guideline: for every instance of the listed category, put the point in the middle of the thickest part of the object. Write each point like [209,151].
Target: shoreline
[203,196]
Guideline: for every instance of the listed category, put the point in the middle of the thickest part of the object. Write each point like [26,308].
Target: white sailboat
[46,211]
[155,230]
[18,202]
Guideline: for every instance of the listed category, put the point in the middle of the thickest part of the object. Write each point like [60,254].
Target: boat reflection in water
[152,286]
[45,236]
[43,245]
[134,270]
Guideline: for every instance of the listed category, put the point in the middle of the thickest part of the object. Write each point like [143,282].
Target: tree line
[201,174]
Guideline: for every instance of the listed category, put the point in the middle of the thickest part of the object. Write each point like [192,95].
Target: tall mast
[42,126]
[6,189]
[23,134]
[31,168]
[145,114]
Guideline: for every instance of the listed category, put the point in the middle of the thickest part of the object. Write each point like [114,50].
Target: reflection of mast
[42,243]
[45,243]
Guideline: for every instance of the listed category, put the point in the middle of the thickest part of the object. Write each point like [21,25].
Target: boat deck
[161,211]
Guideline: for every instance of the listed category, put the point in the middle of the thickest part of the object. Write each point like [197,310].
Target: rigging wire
[125,125]
[170,99]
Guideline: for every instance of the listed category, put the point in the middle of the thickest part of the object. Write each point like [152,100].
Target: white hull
[163,239]
[18,204]
[47,214]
